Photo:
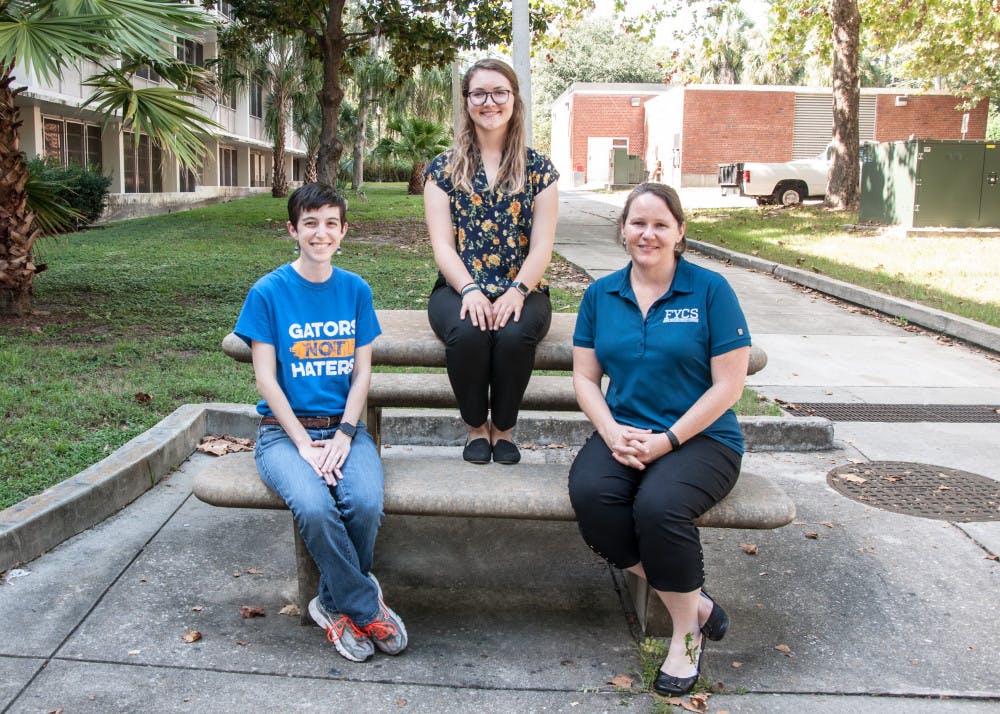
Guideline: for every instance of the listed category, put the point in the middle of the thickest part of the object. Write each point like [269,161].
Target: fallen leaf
[58,710]
[784,649]
[197,608]
[828,524]
[248,611]
[992,557]
[812,535]
[255,571]
[622,680]
[217,445]
[237,574]
[401,702]
[696,703]
[749,548]
[290,609]
[191,635]
[134,652]
[737,665]
[942,487]
[242,643]
[851,478]
[143,398]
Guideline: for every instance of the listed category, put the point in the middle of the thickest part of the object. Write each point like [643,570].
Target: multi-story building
[145,179]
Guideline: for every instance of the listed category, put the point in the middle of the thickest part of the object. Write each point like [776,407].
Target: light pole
[521,36]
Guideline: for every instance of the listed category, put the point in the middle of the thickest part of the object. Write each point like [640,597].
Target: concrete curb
[976,333]
[40,523]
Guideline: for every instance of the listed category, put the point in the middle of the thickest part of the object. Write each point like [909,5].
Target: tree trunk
[310,175]
[844,190]
[416,184]
[360,133]
[279,182]
[334,44]
[18,232]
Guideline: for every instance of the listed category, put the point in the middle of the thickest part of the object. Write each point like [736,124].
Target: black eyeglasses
[478,97]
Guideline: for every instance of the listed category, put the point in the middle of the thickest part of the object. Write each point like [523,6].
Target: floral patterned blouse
[492,229]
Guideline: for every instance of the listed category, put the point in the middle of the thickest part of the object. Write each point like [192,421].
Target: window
[256,100]
[147,72]
[71,142]
[227,166]
[191,52]
[225,9]
[227,100]
[257,173]
[143,164]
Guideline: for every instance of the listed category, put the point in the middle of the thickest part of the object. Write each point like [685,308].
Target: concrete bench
[451,487]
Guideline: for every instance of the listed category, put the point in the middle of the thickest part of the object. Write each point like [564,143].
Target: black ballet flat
[477,451]
[717,624]
[506,452]
[668,685]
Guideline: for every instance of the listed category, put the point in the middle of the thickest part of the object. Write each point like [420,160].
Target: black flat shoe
[717,624]
[506,452]
[477,451]
[668,685]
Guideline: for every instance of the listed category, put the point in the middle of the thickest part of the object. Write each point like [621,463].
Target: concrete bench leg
[654,621]
[308,576]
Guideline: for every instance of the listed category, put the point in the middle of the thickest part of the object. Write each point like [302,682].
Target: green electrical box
[931,182]
[626,170]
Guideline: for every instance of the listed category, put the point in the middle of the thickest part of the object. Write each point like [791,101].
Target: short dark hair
[311,196]
[667,194]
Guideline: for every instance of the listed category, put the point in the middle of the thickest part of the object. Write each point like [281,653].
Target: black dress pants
[489,370]
[628,516]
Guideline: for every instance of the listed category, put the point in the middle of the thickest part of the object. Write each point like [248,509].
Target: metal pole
[521,35]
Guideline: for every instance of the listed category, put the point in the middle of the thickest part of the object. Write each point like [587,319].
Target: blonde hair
[465,156]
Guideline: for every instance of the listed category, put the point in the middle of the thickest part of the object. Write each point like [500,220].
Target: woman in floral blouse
[491,204]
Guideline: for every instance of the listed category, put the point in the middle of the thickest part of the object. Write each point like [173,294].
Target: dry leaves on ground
[191,635]
[784,649]
[222,444]
[292,610]
[248,611]
[622,680]
[697,702]
[750,548]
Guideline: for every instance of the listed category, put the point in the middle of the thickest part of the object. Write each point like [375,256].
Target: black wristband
[674,441]
[471,287]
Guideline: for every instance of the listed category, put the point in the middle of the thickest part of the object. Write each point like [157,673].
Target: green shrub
[82,189]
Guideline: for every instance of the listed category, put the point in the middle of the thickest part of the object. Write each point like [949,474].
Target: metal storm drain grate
[919,490]
[860,411]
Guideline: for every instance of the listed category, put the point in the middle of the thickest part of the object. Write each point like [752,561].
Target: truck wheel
[788,195]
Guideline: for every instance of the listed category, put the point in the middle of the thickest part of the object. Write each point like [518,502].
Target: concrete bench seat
[448,486]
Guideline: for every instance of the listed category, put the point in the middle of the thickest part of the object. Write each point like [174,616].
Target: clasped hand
[638,447]
[327,456]
[491,316]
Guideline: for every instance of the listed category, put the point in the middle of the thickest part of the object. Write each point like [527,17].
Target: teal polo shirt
[661,365]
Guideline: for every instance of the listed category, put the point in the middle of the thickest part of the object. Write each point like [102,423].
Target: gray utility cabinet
[931,182]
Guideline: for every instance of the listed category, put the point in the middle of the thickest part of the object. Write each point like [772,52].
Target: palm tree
[46,36]
[418,141]
[373,78]
[278,65]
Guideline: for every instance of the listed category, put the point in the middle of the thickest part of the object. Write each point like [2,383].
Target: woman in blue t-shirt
[490,205]
[310,327]
[667,447]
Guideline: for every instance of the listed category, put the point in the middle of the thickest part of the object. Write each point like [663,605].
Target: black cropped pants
[628,516]
[489,370]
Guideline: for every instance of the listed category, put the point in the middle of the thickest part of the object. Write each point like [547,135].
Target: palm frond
[45,200]
[163,113]
[45,44]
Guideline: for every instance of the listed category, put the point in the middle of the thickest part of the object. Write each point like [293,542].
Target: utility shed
[931,182]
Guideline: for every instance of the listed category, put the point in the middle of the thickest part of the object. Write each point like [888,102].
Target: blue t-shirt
[661,365]
[315,329]
[493,228]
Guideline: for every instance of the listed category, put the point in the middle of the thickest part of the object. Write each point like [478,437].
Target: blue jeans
[338,524]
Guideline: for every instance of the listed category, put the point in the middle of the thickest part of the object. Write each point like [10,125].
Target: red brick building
[688,131]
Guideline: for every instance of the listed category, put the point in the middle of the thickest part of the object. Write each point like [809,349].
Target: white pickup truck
[785,183]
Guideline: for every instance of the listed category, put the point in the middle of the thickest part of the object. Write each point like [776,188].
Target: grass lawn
[957,274]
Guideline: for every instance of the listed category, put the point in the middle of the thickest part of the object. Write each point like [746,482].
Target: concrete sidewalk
[879,612]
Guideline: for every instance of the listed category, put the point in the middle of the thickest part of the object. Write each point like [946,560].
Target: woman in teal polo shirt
[667,447]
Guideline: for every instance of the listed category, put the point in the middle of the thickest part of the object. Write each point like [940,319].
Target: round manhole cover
[919,490]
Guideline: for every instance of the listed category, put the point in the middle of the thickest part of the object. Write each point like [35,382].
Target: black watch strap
[348,428]
[521,288]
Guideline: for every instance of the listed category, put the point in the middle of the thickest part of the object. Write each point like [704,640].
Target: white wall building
[145,179]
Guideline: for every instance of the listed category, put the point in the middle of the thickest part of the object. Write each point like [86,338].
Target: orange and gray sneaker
[387,630]
[349,640]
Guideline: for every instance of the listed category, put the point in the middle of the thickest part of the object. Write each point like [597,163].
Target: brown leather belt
[322,422]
